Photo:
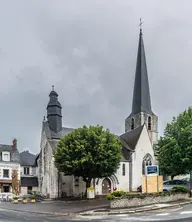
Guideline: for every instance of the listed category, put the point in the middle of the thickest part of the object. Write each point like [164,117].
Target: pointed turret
[54,110]
[141,95]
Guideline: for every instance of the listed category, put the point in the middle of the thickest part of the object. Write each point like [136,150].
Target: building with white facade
[137,143]
[24,164]
[9,162]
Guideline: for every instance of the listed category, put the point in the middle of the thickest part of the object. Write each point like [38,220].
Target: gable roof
[27,159]
[130,138]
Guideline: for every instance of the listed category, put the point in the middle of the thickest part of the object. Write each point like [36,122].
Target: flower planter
[33,201]
[24,201]
[15,201]
[90,194]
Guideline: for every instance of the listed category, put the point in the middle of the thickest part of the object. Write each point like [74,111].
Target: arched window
[147,161]
[123,169]
[132,123]
[149,123]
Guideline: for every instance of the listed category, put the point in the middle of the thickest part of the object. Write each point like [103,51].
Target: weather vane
[140,24]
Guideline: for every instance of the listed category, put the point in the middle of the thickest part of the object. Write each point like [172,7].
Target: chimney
[15,144]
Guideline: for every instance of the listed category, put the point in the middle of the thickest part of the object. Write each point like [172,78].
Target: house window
[132,123]
[149,123]
[26,170]
[123,169]
[6,156]
[5,173]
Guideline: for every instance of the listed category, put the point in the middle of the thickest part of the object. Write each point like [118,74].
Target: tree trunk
[172,177]
[88,183]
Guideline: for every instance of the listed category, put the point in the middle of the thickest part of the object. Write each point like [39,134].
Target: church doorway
[106,186]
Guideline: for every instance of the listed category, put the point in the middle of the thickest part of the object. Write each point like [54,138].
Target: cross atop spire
[52,87]
[140,24]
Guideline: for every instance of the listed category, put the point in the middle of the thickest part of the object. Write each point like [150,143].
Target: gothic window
[147,161]
[123,169]
[132,123]
[149,123]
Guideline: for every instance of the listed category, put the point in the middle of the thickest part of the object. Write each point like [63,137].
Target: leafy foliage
[127,195]
[179,189]
[118,193]
[88,152]
[174,149]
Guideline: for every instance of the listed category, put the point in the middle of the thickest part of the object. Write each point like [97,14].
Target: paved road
[58,206]
[183,214]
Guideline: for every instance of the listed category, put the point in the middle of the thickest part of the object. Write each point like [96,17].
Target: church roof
[130,138]
[141,95]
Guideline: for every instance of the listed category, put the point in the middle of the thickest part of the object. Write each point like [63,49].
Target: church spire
[141,95]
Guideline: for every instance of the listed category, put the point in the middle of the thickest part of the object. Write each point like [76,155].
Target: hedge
[126,195]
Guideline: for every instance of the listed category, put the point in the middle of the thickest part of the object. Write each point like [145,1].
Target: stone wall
[123,203]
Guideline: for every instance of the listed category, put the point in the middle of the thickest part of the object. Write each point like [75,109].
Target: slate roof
[141,95]
[27,159]
[130,138]
[29,181]
[14,152]
[4,147]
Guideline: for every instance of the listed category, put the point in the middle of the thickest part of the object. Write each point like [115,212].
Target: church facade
[138,143]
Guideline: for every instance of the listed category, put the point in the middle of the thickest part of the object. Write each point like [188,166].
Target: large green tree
[88,152]
[174,148]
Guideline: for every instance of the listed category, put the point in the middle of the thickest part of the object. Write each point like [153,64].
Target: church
[138,142]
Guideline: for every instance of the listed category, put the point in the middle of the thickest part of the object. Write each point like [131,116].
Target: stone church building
[137,143]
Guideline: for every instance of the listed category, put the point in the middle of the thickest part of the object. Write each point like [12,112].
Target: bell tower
[54,110]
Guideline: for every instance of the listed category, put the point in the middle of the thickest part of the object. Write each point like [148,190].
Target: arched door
[106,186]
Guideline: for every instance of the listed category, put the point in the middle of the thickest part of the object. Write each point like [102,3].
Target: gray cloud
[87,49]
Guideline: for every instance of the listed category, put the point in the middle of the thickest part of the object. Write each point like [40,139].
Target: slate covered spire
[141,95]
[54,111]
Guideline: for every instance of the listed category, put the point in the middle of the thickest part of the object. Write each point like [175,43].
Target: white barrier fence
[6,196]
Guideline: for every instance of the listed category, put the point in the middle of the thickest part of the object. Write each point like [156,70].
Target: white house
[137,143]
[9,161]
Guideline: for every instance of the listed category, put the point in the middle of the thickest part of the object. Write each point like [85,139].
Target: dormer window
[5,156]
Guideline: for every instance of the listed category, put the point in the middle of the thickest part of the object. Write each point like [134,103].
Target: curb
[100,213]
[136,210]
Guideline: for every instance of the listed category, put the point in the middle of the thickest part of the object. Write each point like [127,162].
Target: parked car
[169,184]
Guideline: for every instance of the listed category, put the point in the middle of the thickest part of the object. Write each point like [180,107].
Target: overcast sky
[87,49]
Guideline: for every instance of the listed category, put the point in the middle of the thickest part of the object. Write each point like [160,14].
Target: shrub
[179,189]
[110,197]
[118,193]
[15,198]
[32,197]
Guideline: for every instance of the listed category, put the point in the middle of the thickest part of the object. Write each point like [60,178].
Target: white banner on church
[152,170]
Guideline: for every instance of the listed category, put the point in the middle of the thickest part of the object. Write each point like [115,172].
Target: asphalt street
[183,214]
